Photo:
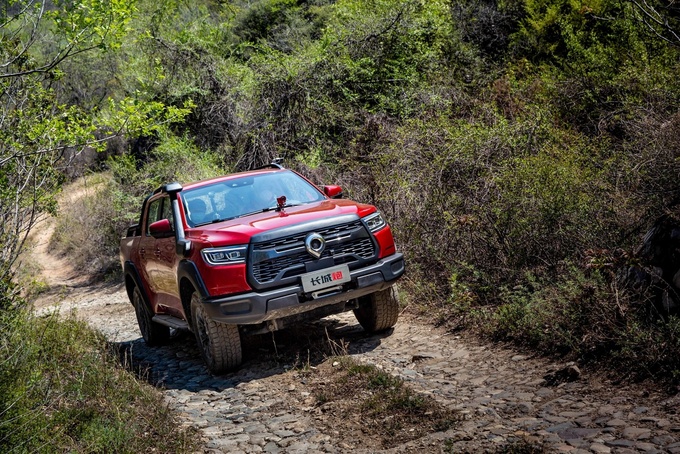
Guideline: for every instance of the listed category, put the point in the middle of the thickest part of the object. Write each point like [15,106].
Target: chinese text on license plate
[327,277]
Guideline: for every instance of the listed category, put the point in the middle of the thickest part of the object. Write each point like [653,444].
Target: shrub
[89,229]
[62,390]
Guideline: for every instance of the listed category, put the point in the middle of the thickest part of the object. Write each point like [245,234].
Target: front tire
[153,333]
[378,311]
[220,344]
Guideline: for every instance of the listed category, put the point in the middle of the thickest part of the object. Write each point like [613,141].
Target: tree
[38,134]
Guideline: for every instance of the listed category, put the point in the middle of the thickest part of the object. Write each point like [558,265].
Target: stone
[663,423]
[271,447]
[560,427]
[524,407]
[578,433]
[600,448]
[619,443]
[646,447]
[566,374]
[616,423]
[636,433]
[663,440]
[572,414]
[578,443]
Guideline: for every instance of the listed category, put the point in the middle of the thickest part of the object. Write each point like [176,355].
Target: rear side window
[159,209]
[153,213]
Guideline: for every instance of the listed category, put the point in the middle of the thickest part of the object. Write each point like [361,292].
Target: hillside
[524,152]
[330,387]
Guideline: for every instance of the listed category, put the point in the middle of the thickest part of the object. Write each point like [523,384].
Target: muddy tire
[153,333]
[220,344]
[378,311]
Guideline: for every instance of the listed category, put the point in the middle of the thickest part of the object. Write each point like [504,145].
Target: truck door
[147,247]
[165,256]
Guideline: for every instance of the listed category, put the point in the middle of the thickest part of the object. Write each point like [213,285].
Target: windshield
[246,195]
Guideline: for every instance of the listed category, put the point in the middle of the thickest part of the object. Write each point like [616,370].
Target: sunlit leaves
[39,133]
[136,117]
[92,23]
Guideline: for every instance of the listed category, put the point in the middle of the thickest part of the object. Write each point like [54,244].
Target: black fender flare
[188,270]
[129,269]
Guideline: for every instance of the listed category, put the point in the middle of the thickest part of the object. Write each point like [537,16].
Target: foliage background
[520,148]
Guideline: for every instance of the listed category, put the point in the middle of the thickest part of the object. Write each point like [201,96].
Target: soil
[293,393]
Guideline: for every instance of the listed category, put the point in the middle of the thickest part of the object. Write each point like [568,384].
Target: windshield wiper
[214,221]
[265,210]
[288,205]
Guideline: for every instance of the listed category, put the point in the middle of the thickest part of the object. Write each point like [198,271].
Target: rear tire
[153,333]
[220,344]
[378,311]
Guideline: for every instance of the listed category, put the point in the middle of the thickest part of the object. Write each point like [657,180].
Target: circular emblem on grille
[315,244]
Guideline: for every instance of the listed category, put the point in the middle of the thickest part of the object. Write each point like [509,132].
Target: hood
[240,230]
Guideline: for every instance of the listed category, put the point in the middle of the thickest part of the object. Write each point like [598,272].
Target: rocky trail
[506,401]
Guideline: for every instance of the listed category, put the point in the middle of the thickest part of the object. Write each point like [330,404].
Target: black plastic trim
[170,188]
[129,269]
[290,300]
[188,269]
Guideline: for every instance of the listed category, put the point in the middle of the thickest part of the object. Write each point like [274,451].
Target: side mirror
[333,191]
[161,229]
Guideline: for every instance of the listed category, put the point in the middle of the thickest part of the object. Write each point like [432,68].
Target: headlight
[375,222]
[225,255]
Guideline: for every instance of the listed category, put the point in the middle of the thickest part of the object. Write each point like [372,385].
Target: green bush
[62,390]
[504,141]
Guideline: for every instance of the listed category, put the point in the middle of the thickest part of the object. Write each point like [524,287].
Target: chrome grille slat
[328,233]
[280,260]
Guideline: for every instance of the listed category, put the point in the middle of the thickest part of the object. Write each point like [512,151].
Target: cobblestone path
[501,394]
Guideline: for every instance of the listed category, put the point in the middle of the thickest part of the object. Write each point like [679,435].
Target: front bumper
[258,307]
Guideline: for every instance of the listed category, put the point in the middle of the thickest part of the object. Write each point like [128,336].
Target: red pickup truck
[254,252]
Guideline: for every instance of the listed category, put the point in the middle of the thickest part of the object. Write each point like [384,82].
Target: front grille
[329,233]
[281,260]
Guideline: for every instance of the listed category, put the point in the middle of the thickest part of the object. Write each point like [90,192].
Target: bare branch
[32,36]
[654,20]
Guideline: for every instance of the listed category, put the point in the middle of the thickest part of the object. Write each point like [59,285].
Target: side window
[153,214]
[167,212]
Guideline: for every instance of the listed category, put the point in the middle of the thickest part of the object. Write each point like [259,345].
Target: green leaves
[88,24]
[134,117]
[40,132]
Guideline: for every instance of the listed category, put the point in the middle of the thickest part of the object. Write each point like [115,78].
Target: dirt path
[68,290]
[271,404]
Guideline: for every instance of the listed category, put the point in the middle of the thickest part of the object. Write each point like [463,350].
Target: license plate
[328,277]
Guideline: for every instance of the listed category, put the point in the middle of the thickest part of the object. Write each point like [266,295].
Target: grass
[519,446]
[390,411]
[63,390]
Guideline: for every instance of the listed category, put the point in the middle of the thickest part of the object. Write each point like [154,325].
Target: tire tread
[378,311]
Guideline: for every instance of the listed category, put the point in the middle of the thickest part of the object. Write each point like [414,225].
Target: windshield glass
[240,196]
